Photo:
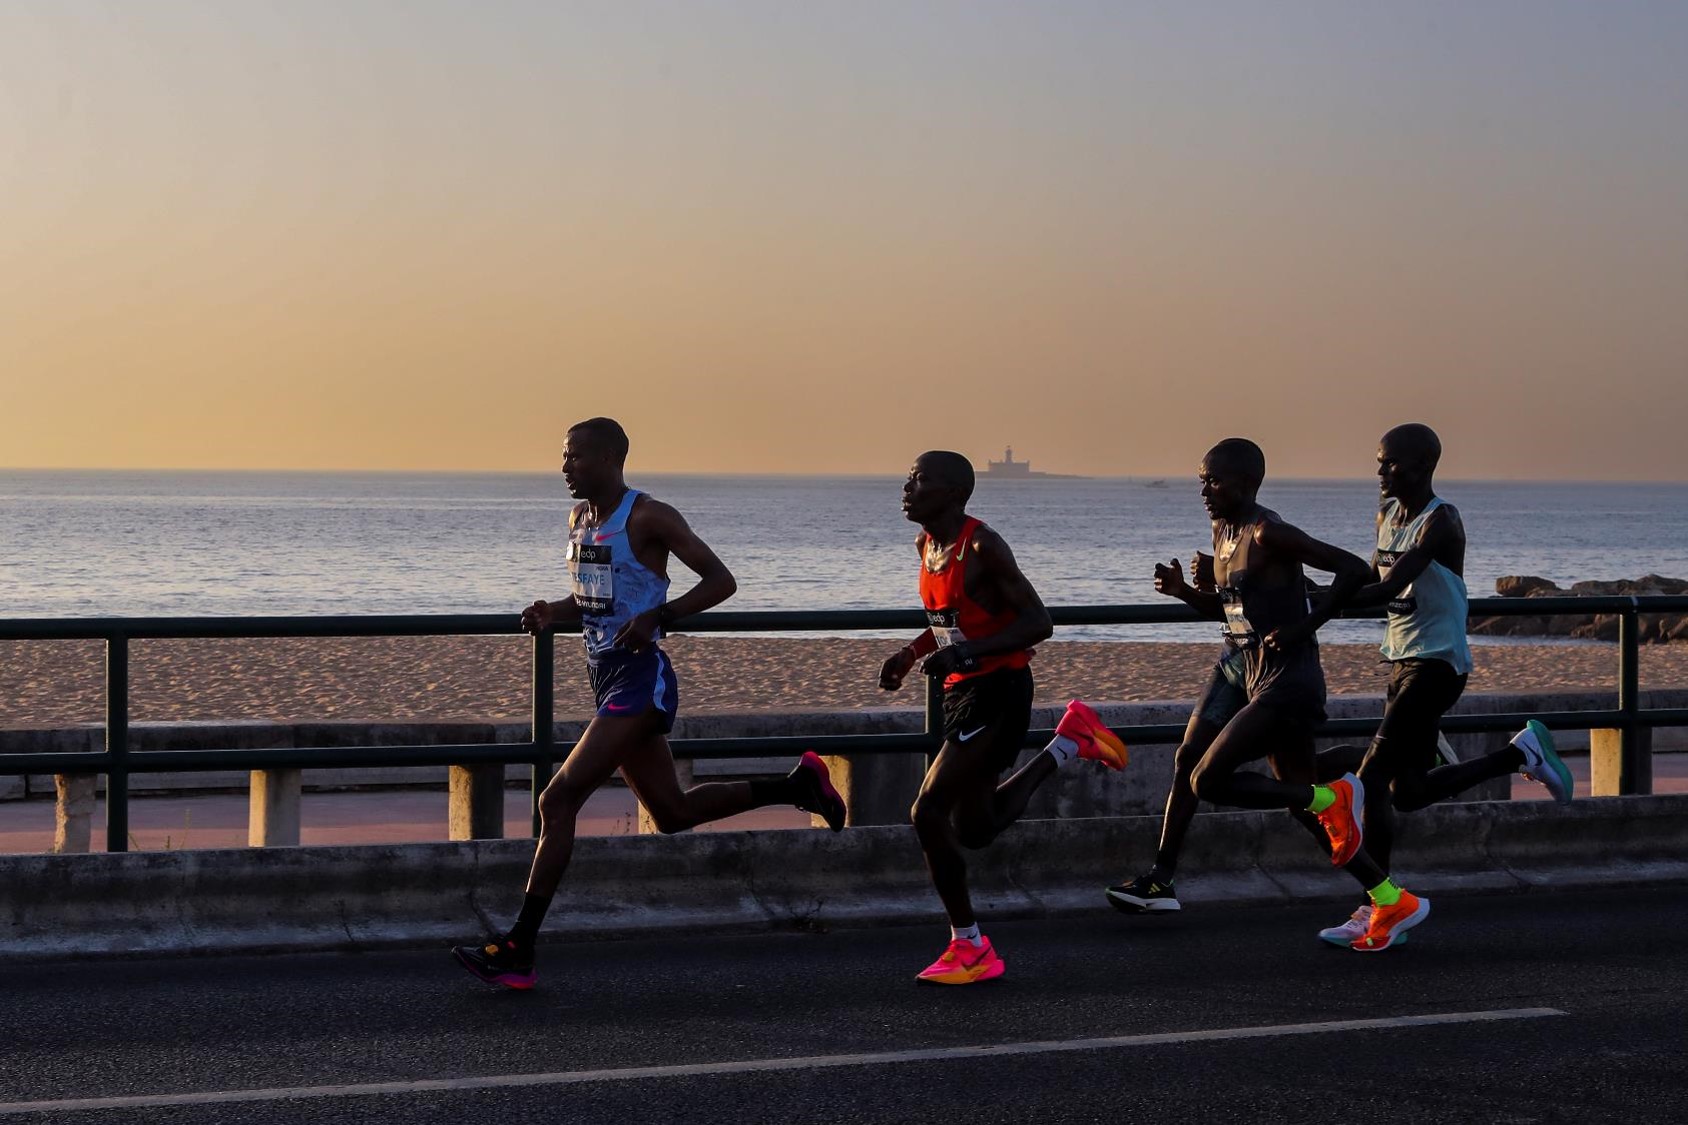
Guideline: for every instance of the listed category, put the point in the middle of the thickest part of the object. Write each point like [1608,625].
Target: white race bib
[593,577]
[943,626]
[1237,626]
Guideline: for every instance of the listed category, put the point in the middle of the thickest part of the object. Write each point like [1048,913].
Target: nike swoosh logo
[963,736]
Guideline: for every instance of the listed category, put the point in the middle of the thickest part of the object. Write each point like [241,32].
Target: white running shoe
[1542,763]
[1350,931]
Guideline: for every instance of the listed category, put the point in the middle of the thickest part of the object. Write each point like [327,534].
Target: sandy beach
[50,683]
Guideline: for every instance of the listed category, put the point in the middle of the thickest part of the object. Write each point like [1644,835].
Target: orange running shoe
[964,963]
[1389,924]
[1095,741]
[1342,819]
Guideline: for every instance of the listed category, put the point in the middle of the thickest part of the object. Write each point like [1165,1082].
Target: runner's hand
[1285,638]
[949,660]
[896,668]
[537,618]
[1201,572]
[1169,580]
[639,633]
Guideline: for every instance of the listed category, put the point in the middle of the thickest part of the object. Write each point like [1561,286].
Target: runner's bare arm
[543,615]
[1031,622]
[899,664]
[1436,540]
[1348,573]
[660,523]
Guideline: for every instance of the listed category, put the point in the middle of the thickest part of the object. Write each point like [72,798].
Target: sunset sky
[802,237]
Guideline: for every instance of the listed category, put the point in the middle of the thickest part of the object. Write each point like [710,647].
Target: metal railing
[117,761]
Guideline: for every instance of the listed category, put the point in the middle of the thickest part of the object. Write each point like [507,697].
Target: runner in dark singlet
[1220,700]
[620,542]
[985,617]
[1418,571]
[1261,596]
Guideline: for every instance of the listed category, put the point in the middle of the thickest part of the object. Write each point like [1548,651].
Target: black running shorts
[993,710]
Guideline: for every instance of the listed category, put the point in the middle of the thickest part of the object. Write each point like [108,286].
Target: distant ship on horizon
[1010,469]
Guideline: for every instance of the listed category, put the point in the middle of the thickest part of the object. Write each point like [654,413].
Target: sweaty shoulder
[1444,520]
[651,514]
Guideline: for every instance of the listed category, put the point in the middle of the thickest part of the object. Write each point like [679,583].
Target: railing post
[1621,760]
[273,808]
[544,720]
[117,743]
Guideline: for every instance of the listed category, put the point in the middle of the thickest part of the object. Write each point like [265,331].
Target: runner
[1218,704]
[1260,593]
[1418,571]
[620,541]
[985,617]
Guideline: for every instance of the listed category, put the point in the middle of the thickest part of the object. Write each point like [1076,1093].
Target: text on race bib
[1404,602]
[1237,626]
[593,577]
[944,628]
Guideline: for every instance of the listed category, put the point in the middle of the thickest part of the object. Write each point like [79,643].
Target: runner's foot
[1095,741]
[1144,895]
[815,791]
[1341,819]
[498,962]
[1389,924]
[1542,763]
[964,963]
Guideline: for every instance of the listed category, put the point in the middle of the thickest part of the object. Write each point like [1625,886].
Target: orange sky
[776,238]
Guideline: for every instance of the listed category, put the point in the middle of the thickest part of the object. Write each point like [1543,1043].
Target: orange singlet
[955,617]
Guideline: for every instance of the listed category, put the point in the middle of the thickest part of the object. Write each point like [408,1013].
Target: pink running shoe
[1095,741]
[964,963]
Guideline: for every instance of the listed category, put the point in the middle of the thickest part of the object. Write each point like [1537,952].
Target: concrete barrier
[351,898]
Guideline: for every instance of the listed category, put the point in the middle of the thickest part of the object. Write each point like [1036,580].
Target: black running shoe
[498,962]
[815,793]
[1143,895]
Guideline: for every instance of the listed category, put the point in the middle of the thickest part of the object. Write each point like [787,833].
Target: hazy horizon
[815,240]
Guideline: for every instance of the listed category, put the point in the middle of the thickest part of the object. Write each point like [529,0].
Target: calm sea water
[134,544]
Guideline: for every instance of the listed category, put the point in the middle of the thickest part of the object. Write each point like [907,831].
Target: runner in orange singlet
[984,619]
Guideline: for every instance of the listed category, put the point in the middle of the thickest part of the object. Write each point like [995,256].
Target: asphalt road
[736,1008]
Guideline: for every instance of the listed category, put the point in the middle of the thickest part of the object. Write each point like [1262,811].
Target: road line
[756,1066]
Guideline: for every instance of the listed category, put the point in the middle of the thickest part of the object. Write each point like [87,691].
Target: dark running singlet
[1254,607]
[955,617]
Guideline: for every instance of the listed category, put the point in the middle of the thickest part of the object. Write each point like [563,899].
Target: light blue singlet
[611,586]
[1427,619]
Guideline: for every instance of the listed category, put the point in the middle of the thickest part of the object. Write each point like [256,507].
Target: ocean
[87,543]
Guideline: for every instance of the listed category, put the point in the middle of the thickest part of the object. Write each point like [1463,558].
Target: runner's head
[1231,474]
[594,452]
[939,482]
[1406,460]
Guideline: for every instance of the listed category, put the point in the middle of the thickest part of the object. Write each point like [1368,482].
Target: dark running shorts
[1000,700]
[631,683]
[1225,693]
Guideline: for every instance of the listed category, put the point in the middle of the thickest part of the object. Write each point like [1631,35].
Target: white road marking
[754,1066]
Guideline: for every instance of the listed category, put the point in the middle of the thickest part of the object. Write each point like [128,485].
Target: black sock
[773,791]
[526,929]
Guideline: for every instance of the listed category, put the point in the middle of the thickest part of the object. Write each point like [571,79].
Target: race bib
[1404,602]
[1237,626]
[943,626]
[593,577]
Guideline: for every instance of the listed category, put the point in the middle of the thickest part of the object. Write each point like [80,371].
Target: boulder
[1655,628]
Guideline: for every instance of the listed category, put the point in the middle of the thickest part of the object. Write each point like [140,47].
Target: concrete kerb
[348,898]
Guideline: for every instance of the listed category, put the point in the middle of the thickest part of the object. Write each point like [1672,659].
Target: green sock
[1385,893]
[1323,798]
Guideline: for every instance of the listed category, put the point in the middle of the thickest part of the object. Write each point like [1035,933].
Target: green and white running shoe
[1542,763]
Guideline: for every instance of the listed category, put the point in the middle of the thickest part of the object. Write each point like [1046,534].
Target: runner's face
[925,496]
[1400,469]
[586,469]
[1225,493]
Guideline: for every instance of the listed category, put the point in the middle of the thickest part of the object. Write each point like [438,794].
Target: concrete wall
[433,894]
